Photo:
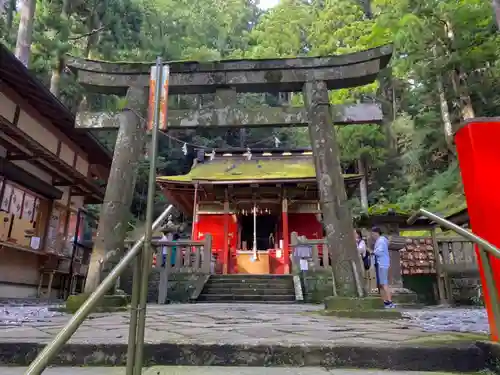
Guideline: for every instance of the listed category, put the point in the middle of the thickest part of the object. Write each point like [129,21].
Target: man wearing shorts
[383,263]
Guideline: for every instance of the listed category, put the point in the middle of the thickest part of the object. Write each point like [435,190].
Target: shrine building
[250,202]
[48,171]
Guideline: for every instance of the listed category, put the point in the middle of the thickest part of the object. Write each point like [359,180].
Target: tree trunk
[363,186]
[57,70]
[25,32]
[386,91]
[496,12]
[93,23]
[459,82]
[445,112]
[55,78]
[115,210]
[461,88]
[337,218]
[367,8]
[10,13]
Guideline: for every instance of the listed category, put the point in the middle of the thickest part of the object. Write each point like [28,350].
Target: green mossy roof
[255,169]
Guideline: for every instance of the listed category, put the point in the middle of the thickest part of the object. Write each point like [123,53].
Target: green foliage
[408,160]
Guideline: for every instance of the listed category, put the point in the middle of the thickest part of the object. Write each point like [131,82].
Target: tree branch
[90,33]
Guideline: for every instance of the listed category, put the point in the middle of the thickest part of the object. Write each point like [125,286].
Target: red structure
[250,203]
[479,155]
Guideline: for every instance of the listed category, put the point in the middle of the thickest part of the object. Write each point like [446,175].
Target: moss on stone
[318,286]
[349,303]
[449,338]
[109,303]
[401,298]
[256,169]
[364,314]
[387,209]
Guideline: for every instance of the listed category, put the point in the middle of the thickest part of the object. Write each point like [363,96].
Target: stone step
[247,297]
[209,370]
[248,278]
[248,291]
[252,284]
[446,357]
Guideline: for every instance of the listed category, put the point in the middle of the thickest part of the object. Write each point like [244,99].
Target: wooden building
[48,171]
[250,202]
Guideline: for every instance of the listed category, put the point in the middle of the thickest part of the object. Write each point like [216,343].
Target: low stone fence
[179,274]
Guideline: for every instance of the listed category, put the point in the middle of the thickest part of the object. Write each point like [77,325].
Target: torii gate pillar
[479,158]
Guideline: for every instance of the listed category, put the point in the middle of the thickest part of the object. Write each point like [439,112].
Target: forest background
[445,69]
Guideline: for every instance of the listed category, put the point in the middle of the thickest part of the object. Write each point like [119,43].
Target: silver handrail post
[148,249]
[42,360]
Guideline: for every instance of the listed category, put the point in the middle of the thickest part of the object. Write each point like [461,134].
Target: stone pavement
[190,370]
[258,335]
[233,324]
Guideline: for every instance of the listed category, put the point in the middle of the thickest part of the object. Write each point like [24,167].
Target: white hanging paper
[35,243]
[304,265]
[16,204]
[28,207]
[7,195]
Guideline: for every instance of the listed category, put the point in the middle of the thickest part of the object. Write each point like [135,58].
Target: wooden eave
[459,218]
[181,193]
[39,156]
[36,97]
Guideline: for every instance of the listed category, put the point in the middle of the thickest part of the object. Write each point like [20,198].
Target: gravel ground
[456,319]
[17,312]
[432,319]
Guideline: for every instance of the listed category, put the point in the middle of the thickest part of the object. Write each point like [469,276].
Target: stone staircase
[249,288]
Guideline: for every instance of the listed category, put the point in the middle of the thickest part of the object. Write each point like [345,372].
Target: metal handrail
[484,248]
[40,363]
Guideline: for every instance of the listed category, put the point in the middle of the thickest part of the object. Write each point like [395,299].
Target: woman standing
[365,256]
[360,243]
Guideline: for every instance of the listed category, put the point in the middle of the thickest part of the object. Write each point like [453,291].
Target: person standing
[364,254]
[382,264]
[360,243]
[173,256]
[164,249]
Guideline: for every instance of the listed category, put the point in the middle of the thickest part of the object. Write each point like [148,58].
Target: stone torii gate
[313,76]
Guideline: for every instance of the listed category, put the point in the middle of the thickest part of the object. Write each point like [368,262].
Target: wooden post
[163,285]
[207,254]
[115,211]
[225,256]
[194,229]
[294,241]
[315,257]
[439,270]
[286,235]
[333,198]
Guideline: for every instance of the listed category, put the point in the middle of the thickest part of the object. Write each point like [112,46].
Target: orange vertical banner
[163,98]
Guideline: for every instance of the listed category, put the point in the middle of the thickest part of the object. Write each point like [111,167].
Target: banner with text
[162,121]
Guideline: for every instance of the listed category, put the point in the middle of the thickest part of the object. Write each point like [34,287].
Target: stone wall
[465,288]
[180,285]
[317,286]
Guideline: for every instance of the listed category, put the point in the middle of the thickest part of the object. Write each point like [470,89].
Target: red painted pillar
[479,158]
[225,249]
[286,236]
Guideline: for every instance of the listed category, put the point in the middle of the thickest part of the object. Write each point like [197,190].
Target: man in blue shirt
[382,264]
